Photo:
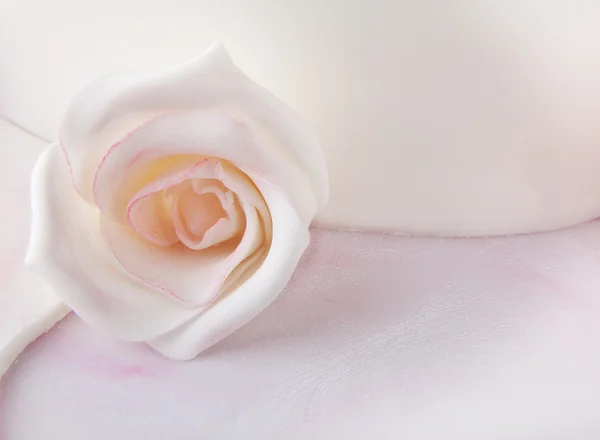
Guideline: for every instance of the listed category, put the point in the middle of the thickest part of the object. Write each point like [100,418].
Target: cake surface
[469,118]
[376,335]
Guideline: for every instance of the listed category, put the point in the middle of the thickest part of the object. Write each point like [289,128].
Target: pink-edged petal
[198,133]
[227,227]
[67,248]
[193,277]
[198,212]
[201,223]
[142,181]
[249,298]
[245,189]
[147,211]
[116,106]
[209,169]
[150,217]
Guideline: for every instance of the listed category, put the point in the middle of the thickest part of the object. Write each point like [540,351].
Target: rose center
[199,212]
[204,213]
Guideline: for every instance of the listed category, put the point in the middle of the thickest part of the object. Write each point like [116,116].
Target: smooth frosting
[467,117]
[377,337]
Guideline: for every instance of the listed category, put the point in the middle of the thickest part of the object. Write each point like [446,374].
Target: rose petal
[241,185]
[198,212]
[244,270]
[192,134]
[194,277]
[115,106]
[147,213]
[66,247]
[152,220]
[198,173]
[248,299]
[152,173]
[197,225]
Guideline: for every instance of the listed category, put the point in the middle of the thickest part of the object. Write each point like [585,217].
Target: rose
[177,203]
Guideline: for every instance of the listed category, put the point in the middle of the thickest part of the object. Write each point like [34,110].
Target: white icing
[29,309]
[463,117]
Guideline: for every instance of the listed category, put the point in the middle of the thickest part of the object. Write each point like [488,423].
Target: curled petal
[147,212]
[241,185]
[193,277]
[114,107]
[152,220]
[200,224]
[248,298]
[193,135]
[198,173]
[67,248]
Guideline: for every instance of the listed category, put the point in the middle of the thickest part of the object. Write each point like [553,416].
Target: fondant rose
[177,203]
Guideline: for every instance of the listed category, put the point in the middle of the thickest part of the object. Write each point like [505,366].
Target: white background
[464,117]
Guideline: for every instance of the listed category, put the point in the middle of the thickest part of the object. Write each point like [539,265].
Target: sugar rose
[176,204]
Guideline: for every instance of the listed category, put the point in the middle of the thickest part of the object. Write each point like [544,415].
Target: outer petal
[111,108]
[66,247]
[189,135]
[245,301]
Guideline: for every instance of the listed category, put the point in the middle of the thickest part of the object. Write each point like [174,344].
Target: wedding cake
[191,146]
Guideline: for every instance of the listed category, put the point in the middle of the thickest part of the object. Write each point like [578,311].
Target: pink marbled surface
[376,336]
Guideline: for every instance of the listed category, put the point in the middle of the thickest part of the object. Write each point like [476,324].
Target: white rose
[177,203]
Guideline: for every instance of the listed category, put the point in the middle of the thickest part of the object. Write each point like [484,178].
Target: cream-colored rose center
[199,212]
[190,205]
[201,217]
[204,213]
